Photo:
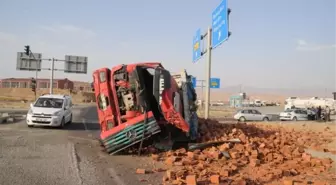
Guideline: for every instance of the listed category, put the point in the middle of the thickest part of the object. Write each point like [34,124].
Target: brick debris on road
[266,155]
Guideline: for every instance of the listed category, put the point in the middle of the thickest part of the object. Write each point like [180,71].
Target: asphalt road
[69,156]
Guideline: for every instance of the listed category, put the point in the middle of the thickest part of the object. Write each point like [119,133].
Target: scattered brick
[214,179]
[287,182]
[273,156]
[191,180]
[155,157]
[140,171]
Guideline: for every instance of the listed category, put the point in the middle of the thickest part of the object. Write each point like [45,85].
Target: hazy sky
[276,44]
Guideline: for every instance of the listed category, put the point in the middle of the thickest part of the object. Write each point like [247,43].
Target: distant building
[42,83]
[82,86]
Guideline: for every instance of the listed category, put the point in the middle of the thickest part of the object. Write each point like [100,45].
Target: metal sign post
[208,76]
[217,34]
[52,75]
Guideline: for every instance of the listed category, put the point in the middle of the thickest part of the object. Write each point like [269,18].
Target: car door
[258,116]
[248,115]
[303,115]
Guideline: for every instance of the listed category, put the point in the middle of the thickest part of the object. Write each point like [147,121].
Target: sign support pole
[208,76]
[52,75]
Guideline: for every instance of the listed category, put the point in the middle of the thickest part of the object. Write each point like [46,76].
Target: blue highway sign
[220,27]
[215,83]
[197,46]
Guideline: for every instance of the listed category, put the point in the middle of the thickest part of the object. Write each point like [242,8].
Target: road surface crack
[76,160]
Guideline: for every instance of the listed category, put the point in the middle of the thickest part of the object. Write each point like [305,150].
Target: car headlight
[56,113]
[30,111]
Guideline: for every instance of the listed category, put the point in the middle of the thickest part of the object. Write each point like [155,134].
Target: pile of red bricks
[264,156]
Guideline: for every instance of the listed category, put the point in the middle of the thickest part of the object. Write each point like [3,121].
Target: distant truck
[309,103]
[258,103]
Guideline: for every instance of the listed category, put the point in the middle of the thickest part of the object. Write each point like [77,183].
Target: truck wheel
[294,119]
[242,119]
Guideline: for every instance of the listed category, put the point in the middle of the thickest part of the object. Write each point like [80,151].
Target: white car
[250,115]
[294,115]
[50,110]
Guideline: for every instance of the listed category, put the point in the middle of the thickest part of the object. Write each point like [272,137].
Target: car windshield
[49,103]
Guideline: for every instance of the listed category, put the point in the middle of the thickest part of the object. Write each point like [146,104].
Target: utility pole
[29,53]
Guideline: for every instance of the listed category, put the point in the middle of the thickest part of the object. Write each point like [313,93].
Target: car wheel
[30,126]
[265,119]
[294,119]
[62,123]
[242,119]
[70,121]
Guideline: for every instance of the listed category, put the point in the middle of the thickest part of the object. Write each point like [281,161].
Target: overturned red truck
[144,102]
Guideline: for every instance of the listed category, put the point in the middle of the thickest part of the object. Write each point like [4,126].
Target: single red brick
[170,160]
[225,147]
[202,157]
[326,161]
[234,154]
[286,173]
[254,162]
[191,155]
[301,149]
[316,162]
[224,173]
[155,157]
[242,182]
[287,182]
[170,175]
[299,183]
[216,155]
[140,171]
[320,182]
[269,157]
[254,153]
[191,180]
[165,178]
[239,147]
[214,179]
[262,145]
[233,167]
[234,131]
[243,138]
[176,182]
[306,163]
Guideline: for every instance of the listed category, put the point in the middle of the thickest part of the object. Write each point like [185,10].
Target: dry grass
[22,97]
[220,112]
